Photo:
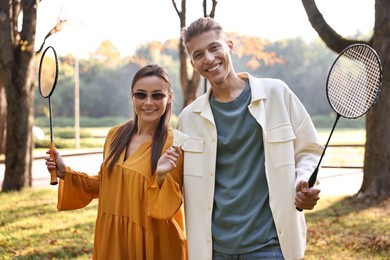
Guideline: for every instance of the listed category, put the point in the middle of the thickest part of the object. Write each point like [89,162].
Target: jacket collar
[257,89]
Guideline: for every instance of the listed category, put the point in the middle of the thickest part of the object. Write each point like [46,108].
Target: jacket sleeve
[307,145]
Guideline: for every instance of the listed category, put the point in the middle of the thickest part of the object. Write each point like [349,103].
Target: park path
[333,181]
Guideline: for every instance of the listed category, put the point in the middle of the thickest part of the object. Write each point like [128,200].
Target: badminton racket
[47,81]
[352,87]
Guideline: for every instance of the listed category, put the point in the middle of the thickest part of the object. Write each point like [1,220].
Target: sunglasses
[155,95]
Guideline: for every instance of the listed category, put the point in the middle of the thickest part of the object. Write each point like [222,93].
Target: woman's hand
[59,164]
[166,163]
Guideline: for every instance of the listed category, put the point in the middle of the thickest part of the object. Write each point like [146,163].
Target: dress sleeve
[163,202]
[77,190]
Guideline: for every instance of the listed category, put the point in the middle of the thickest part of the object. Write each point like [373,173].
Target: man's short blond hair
[202,25]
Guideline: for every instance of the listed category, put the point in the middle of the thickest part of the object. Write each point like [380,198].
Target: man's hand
[305,197]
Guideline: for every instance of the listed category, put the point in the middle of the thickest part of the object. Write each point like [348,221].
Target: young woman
[139,183]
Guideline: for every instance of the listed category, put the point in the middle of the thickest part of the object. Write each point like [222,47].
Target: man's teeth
[214,68]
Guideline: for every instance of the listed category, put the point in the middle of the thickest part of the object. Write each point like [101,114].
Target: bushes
[94,130]
[70,143]
[65,138]
[43,122]
[326,122]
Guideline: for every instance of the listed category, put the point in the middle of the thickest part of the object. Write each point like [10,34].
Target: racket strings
[353,82]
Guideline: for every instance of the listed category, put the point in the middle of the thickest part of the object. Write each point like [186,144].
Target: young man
[252,149]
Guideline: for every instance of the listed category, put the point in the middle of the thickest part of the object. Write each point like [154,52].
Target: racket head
[354,81]
[48,72]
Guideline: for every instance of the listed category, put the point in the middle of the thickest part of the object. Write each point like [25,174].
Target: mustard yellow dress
[136,218]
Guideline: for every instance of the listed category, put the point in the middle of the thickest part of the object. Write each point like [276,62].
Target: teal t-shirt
[242,220]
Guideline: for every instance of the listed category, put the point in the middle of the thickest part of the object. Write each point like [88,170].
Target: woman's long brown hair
[126,131]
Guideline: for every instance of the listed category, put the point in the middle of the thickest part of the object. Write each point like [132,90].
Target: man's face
[210,56]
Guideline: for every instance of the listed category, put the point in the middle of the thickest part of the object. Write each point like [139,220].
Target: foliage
[31,228]
[305,70]
[254,50]
[62,143]
[65,138]
[320,121]
[92,131]
[107,121]
[324,121]
[105,77]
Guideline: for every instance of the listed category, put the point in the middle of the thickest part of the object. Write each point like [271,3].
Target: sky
[130,23]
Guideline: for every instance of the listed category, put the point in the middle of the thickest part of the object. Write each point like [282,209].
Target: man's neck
[228,90]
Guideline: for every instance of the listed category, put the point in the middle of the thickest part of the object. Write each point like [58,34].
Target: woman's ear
[170,97]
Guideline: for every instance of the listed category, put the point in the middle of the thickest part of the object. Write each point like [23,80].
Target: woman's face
[150,97]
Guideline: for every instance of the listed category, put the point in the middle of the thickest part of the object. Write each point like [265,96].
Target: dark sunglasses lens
[158,96]
[140,95]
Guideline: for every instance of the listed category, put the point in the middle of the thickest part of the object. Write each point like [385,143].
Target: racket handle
[53,172]
[313,177]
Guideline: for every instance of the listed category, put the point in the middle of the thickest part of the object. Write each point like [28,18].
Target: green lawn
[344,156]
[32,228]
[343,136]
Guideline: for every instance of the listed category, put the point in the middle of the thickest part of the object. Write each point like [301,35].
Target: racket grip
[53,172]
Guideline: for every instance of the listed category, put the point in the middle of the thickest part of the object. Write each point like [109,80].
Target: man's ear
[192,64]
[231,46]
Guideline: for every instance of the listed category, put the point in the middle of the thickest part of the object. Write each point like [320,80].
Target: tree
[376,180]
[17,75]
[189,85]
[3,116]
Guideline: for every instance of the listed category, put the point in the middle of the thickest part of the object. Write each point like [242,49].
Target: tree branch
[213,8]
[331,38]
[57,28]
[175,6]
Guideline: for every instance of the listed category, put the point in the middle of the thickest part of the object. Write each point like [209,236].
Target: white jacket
[292,151]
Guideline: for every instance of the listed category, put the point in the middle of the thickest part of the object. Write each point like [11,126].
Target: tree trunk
[19,143]
[376,179]
[191,85]
[3,119]
[17,59]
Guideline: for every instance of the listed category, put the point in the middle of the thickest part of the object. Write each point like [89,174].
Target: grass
[346,228]
[343,136]
[32,228]
[344,156]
